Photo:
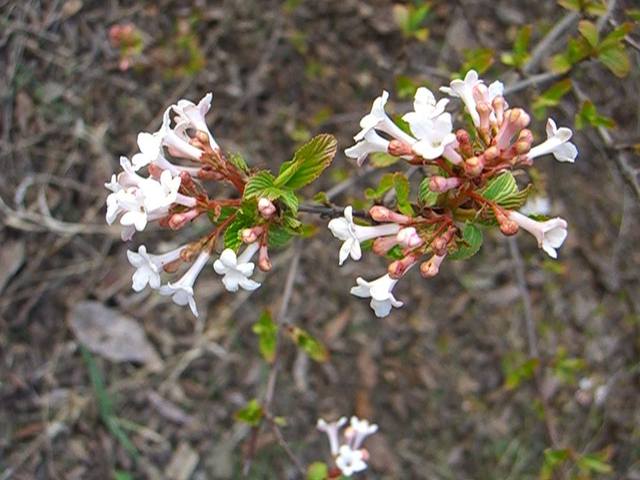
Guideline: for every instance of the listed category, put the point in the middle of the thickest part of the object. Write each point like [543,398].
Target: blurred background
[459,388]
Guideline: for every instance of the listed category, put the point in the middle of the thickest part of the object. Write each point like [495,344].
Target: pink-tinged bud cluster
[266,208]
[463,167]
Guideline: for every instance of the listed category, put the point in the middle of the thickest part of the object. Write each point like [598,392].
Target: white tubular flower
[380,292]
[557,143]
[177,142]
[350,461]
[496,89]
[149,266]
[408,237]
[161,194]
[193,114]
[463,89]
[434,134]
[351,234]
[379,120]
[361,429]
[425,106]
[237,270]
[372,143]
[332,430]
[550,234]
[182,291]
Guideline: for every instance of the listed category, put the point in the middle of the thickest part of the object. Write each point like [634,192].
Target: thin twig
[541,50]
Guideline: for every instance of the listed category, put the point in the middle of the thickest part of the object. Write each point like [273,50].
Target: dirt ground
[444,377]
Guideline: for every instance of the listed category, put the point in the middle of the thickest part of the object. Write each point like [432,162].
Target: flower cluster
[179,158]
[468,184]
[348,455]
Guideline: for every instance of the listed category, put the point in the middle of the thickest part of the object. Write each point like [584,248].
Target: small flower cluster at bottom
[348,455]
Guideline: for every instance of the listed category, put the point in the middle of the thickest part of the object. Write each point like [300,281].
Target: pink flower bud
[179,220]
[250,235]
[408,237]
[264,263]
[155,171]
[499,105]
[383,214]
[431,267]
[382,245]
[398,268]
[442,184]
[507,226]
[398,148]
[514,120]
[464,143]
[473,166]
[266,208]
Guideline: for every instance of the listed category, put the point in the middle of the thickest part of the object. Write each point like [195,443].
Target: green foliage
[267,332]
[251,413]
[239,162]
[520,54]
[478,59]
[308,162]
[551,97]
[595,463]
[279,236]
[401,186]
[633,14]
[246,217]
[427,197]
[410,19]
[588,116]
[385,184]
[592,7]
[567,368]
[470,243]
[503,190]
[405,87]
[258,183]
[517,370]
[311,346]
[395,253]
[318,471]
[553,459]
[382,159]
[104,404]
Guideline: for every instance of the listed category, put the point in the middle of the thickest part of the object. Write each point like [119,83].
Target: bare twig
[541,50]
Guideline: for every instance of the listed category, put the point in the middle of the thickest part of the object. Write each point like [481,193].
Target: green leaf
[427,197]
[616,36]
[386,184]
[594,462]
[590,32]
[552,460]
[267,332]
[290,199]
[381,159]
[251,413]
[258,183]
[312,347]
[478,59]
[239,162]
[470,244]
[278,236]
[551,97]
[520,373]
[246,217]
[615,58]
[318,471]
[503,190]
[405,87]
[395,253]
[519,55]
[308,162]
[588,116]
[401,186]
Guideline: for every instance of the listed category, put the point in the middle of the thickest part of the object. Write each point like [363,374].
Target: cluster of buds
[348,455]
[179,158]
[468,183]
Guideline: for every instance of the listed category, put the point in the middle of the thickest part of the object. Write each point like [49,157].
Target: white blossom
[237,270]
[380,292]
[463,89]
[332,430]
[536,205]
[550,234]
[557,143]
[149,266]
[350,461]
[351,234]
[425,105]
[371,143]
[379,120]
[182,291]
[433,134]
[361,429]
[194,115]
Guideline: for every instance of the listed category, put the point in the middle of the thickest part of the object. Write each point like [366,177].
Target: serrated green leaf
[470,243]
[308,162]
[318,471]
[267,332]
[251,413]
[290,199]
[312,347]
[278,236]
[258,183]
[239,162]
[500,187]
[589,31]
[615,58]
[427,197]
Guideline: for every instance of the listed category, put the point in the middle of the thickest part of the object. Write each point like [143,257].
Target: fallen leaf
[106,332]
